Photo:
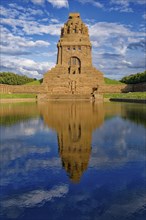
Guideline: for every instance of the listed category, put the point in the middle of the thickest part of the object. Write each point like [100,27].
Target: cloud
[37,1]
[31,27]
[144,16]
[59,3]
[25,21]
[124,5]
[16,11]
[17,45]
[137,45]
[54,20]
[111,36]
[54,3]
[92,2]
[24,66]
[112,41]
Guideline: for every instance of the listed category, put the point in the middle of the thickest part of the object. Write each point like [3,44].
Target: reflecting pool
[73,161]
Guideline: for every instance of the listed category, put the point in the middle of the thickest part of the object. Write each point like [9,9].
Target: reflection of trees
[137,115]
[74,123]
[15,112]
[133,112]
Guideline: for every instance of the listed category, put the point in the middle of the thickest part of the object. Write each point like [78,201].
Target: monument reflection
[74,124]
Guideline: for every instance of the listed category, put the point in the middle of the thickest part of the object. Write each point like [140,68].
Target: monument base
[59,84]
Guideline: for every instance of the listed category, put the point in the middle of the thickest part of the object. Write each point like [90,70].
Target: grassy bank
[17,96]
[112,81]
[34,83]
[130,95]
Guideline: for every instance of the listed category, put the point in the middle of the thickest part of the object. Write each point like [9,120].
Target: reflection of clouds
[26,128]
[17,150]
[36,197]
[116,142]
[118,207]
[128,209]
[27,148]
[33,198]
[30,165]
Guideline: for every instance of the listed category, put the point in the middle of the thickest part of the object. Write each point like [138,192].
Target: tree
[134,78]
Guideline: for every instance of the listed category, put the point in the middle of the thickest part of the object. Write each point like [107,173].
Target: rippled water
[73,161]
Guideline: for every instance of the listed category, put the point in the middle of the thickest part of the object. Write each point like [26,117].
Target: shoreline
[127,100]
[9,100]
[14,100]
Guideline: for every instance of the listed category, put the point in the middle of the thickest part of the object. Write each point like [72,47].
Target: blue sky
[30,30]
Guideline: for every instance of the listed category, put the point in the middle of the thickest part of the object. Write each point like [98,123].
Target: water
[73,161]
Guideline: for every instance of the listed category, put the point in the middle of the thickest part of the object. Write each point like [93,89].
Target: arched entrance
[74,65]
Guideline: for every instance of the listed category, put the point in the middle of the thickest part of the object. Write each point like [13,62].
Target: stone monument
[74,75]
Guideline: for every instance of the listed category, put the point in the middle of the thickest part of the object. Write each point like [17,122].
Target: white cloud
[37,1]
[59,3]
[54,20]
[25,66]
[92,2]
[111,36]
[124,5]
[144,16]
[32,27]
[54,3]
[127,2]
[112,41]
[17,45]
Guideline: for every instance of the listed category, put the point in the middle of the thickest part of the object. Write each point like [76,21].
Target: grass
[33,83]
[17,96]
[130,95]
[112,81]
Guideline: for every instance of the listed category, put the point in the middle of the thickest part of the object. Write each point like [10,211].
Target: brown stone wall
[21,89]
[139,87]
[57,90]
[115,88]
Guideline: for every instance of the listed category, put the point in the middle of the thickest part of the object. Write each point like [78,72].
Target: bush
[134,78]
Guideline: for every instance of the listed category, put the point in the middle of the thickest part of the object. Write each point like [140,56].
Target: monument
[74,75]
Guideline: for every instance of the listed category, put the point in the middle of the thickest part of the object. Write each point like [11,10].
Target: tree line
[134,78]
[14,79]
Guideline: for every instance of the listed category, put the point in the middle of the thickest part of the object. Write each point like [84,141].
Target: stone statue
[62,31]
[85,30]
[65,29]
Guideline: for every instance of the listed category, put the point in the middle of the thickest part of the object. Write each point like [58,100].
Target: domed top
[74,25]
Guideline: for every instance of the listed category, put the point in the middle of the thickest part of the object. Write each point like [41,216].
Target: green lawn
[130,95]
[111,81]
[33,83]
[17,96]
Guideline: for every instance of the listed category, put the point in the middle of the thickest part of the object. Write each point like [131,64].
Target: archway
[74,65]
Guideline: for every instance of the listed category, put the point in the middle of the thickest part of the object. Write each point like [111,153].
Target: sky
[30,30]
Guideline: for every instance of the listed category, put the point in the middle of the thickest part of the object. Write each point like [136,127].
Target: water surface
[73,161]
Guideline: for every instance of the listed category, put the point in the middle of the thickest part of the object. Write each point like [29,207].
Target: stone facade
[74,73]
